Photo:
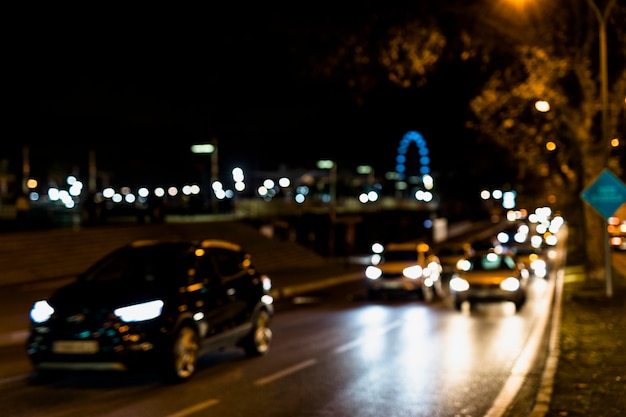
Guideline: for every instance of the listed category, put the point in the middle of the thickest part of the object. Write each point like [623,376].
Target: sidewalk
[590,378]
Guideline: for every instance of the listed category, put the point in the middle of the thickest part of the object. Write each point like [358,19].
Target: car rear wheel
[183,356]
[427,294]
[260,337]
[373,294]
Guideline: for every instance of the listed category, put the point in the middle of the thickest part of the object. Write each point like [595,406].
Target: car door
[239,286]
[214,297]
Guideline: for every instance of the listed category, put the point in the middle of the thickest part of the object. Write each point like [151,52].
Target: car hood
[100,295]
[488,277]
[396,266]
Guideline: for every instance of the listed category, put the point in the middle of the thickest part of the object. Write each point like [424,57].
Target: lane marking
[13,338]
[285,372]
[357,342]
[194,408]
[15,378]
[524,363]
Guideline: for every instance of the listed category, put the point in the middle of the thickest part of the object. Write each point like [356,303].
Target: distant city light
[325,164]
[203,148]
[237,174]
[542,106]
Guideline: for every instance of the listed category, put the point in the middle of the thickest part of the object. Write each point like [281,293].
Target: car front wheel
[183,356]
[426,294]
[258,340]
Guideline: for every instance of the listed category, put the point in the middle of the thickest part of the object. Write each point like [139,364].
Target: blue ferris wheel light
[407,139]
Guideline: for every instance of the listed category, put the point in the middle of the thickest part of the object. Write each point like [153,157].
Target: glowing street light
[542,106]
[210,148]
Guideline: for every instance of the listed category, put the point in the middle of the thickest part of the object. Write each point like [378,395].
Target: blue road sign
[606,194]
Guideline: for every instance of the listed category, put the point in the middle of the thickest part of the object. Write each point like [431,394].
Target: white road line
[194,408]
[13,338]
[361,340]
[285,372]
[523,364]
[15,378]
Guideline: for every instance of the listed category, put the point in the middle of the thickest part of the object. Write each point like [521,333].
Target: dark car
[489,276]
[617,235]
[535,259]
[154,305]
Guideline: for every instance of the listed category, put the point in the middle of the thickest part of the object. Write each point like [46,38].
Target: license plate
[75,346]
[483,294]
[392,285]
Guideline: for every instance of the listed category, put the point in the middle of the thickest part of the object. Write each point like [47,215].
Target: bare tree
[556,61]
[540,52]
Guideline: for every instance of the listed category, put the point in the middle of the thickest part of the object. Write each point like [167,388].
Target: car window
[399,255]
[140,266]
[451,251]
[493,262]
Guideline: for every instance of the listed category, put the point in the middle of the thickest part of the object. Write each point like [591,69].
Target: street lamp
[604,74]
[331,166]
[210,148]
[604,98]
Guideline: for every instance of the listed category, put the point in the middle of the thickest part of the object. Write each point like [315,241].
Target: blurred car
[154,305]
[533,258]
[450,253]
[617,235]
[487,277]
[405,268]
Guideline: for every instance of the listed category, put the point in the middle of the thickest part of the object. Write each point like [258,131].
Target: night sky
[140,86]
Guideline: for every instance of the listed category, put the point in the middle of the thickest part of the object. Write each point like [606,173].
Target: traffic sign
[606,194]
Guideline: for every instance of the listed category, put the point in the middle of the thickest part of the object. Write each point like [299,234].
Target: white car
[489,277]
[404,268]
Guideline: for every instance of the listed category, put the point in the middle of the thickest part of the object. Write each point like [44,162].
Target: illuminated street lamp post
[210,148]
[604,75]
[331,166]
[604,98]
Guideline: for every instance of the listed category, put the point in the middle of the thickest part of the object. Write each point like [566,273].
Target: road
[333,354]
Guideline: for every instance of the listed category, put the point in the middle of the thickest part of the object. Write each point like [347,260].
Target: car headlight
[373,272]
[41,311]
[267,283]
[413,272]
[510,284]
[140,312]
[458,284]
[538,264]
[433,270]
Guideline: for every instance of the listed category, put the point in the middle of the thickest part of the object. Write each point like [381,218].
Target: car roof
[405,246]
[204,243]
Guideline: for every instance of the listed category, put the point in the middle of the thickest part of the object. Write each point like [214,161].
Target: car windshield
[525,251]
[451,251]
[490,262]
[138,265]
[401,255]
